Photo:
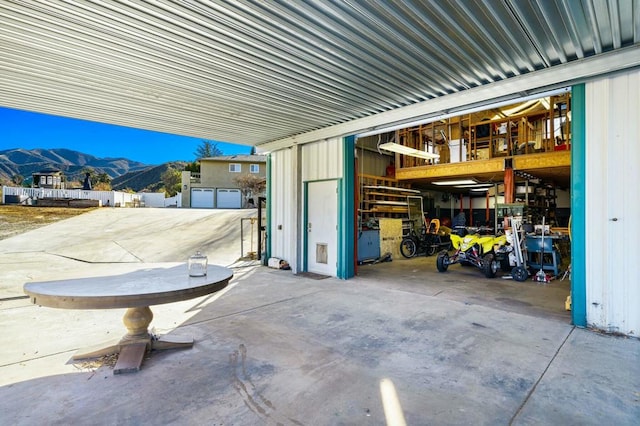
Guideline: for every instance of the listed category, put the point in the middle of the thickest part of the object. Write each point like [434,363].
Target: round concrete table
[135,287]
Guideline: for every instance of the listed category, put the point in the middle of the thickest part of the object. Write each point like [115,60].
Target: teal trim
[346,211]
[578,206]
[267,251]
[305,223]
[340,264]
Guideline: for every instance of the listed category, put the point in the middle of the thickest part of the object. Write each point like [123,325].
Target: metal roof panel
[251,72]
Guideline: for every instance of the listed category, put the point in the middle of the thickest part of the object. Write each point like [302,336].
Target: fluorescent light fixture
[477,185]
[479,189]
[401,149]
[456,182]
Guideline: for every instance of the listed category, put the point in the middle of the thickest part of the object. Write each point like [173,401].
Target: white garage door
[229,198]
[202,198]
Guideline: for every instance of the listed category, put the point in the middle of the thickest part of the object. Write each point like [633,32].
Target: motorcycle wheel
[442,262]
[489,265]
[408,248]
[519,273]
[431,250]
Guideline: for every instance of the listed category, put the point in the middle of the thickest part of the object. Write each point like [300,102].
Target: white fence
[157,199]
[107,198]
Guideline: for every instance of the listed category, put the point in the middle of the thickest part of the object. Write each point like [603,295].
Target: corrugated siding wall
[283,223]
[317,161]
[613,203]
[322,160]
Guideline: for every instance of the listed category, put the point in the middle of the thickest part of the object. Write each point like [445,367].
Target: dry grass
[16,219]
[95,363]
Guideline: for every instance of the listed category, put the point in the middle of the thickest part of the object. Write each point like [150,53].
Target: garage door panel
[229,198]
[202,198]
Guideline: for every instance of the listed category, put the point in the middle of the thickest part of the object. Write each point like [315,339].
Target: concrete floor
[276,348]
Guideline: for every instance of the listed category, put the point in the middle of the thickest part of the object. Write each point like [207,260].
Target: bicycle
[428,242]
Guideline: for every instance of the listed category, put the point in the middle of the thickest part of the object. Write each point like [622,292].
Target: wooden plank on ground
[130,358]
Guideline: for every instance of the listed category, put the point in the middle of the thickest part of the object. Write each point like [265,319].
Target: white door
[322,227]
[202,198]
[229,199]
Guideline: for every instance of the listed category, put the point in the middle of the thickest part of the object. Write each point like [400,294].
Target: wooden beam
[542,160]
[466,168]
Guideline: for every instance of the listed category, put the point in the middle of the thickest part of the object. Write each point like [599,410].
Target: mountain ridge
[25,162]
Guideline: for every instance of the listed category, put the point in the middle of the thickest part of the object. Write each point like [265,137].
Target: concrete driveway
[398,343]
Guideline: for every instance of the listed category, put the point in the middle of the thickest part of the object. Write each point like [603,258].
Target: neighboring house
[51,179]
[215,186]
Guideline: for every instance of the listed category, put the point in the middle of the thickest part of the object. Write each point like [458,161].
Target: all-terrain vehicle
[482,251]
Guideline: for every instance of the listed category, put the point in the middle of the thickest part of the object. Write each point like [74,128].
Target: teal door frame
[578,204]
[347,210]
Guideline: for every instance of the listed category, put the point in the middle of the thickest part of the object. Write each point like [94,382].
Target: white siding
[284,200]
[289,168]
[613,173]
[370,162]
[322,160]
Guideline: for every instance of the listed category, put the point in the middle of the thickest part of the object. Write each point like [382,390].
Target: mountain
[27,161]
[149,178]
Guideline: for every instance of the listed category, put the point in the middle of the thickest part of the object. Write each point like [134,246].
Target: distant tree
[253,150]
[5,181]
[103,178]
[17,179]
[207,149]
[192,167]
[102,182]
[102,186]
[99,181]
[172,179]
[251,185]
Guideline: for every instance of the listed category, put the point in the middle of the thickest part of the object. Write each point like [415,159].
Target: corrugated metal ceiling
[253,71]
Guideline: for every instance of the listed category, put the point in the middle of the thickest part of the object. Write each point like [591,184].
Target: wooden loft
[534,137]
[551,167]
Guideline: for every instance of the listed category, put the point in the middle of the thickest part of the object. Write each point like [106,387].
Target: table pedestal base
[133,346]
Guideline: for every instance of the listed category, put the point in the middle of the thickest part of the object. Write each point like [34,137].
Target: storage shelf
[386,194]
[383,197]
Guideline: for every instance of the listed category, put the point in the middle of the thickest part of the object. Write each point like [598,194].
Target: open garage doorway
[475,175]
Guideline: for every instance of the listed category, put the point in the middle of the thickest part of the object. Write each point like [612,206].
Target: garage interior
[451,175]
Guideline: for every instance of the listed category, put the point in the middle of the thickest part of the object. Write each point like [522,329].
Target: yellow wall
[215,174]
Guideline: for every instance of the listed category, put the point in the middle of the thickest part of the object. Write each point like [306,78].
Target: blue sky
[29,130]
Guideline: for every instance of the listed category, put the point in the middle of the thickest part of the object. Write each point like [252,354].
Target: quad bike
[431,239]
[482,251]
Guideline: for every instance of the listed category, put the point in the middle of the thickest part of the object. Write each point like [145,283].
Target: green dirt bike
[485,252]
